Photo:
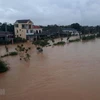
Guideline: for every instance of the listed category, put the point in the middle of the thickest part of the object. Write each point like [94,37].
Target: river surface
[70,72]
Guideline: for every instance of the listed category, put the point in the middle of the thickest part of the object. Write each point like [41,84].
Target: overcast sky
[44,12]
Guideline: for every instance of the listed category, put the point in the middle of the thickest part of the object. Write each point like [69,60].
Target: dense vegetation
[10,27]
[88,37]
[3,42]
[19,40]
[78,27]
[16,40]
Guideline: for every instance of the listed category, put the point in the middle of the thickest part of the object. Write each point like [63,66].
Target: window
[36,31]
[27,31]
[20,29]
[29,26]
[31,31]
[40,31]
[17,31]
[20,34]
[23,26]
[16,25]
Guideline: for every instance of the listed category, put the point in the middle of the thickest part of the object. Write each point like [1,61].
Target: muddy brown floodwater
[70,72]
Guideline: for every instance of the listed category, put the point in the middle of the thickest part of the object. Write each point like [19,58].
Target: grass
[75,40]
[60,43]
[3,66]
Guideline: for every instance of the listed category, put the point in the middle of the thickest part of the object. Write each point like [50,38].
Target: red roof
[36,27]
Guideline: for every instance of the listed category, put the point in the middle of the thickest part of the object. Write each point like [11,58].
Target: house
[26,29]
[70,30]
[23,28]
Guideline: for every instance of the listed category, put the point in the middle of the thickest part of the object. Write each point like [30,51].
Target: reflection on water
[70,72]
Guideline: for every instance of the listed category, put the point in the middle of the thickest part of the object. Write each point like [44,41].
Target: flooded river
[70,72]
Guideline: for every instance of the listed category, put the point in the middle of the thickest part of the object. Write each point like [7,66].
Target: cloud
[44,12]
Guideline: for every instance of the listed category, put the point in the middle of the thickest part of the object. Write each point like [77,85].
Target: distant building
[6,35]
[26,29]
[70,30]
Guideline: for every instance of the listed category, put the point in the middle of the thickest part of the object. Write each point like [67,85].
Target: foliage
[10,54]
[6,55]
[23,52]
[60,43]
[19,40]
[41,43]
[3,66]
[10,27]
[16,40]
[76,26]
[13,53]
[88,37]
[75,40]
[39,49]
[3,42]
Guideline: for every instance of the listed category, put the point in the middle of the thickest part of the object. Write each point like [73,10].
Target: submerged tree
[23,52]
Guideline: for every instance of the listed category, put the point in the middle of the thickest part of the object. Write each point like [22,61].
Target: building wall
[19,32]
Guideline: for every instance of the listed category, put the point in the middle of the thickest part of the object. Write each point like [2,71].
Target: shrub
[19,40]
[3,42]
[4,55]
[60,43]
[10,54]
[13,53]
[76,40]
[3,66]
[42,43]
[39,49]
[88,37]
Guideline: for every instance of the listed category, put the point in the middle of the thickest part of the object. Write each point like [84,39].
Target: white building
[70,30]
